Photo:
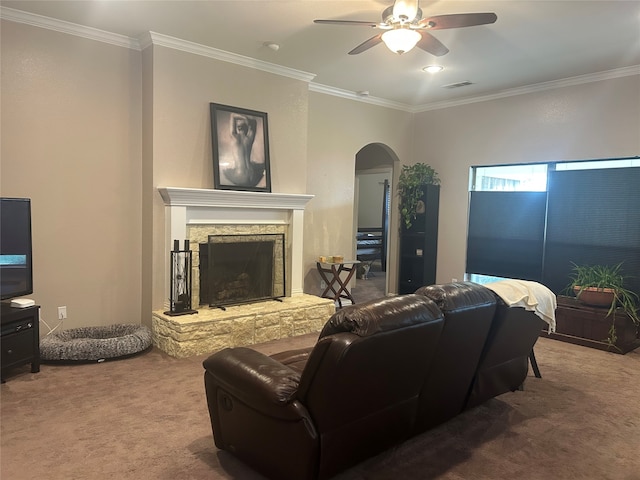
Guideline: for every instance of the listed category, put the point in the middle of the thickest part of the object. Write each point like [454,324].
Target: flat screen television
[16,271]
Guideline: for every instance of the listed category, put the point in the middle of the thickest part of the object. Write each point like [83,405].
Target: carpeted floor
[146,418]
[371,287]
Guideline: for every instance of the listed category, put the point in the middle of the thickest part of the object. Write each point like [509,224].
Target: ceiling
[532,42]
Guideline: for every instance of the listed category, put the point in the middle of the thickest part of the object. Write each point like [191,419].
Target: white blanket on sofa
[531,296]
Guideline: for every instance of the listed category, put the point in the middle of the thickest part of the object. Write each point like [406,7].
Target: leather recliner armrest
[296,359]
[255,379]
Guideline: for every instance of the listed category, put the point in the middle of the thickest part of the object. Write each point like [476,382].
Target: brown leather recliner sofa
[380,372]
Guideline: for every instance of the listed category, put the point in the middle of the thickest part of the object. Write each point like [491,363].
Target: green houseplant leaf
[411,184]
[606,277]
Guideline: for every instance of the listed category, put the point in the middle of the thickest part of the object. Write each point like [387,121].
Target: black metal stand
[180,295]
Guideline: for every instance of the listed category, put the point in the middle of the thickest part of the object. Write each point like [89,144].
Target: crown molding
[69,28]
[147,39]
[338,92]
[537,87]
[153,38]
[217,54]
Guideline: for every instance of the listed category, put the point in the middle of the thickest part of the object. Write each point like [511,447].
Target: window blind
[593,219]
[506,234]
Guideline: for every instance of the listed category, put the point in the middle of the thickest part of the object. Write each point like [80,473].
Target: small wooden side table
[337,288]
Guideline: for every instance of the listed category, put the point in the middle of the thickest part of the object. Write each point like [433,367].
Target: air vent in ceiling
[458,85]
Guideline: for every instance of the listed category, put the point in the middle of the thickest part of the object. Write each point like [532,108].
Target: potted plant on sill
[604,286]
[411,184]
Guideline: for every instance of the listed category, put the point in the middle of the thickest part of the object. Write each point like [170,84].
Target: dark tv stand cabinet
[20,338]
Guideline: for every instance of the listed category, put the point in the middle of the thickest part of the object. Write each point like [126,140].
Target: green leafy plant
[411,184]
[606,277]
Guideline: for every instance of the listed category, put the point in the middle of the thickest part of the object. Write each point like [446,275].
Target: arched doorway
[372,218]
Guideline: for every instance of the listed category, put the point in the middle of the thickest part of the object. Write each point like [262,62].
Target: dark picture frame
[240,143]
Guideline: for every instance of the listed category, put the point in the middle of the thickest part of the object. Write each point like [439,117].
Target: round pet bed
[95,344]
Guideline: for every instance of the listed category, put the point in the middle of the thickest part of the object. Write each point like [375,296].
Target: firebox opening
[237,269]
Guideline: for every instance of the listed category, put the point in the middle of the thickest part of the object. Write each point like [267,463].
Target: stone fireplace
[203,234]
[235,269]
[200,214]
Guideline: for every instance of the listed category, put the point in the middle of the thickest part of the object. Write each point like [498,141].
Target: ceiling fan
[404,28]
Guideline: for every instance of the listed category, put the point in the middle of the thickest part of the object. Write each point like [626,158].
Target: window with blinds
[587,213]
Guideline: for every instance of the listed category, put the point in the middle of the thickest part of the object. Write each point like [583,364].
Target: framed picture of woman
[240,142]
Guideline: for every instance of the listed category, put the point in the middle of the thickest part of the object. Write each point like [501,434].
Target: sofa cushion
[503,365]
[363,377]
[381,315]
[468,309]
[458,296]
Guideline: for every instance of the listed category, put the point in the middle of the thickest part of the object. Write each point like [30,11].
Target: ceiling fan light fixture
[401,40]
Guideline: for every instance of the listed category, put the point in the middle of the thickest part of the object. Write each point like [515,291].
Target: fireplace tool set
[180,294]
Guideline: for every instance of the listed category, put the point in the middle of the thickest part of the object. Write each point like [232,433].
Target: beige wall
[71,142]
[147,187]
[90,130]
[370,198]
[338,129]
[183,86]
[302,160]
[589,121]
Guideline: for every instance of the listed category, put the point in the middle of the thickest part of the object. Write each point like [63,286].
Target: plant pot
[596,297]
[589,326]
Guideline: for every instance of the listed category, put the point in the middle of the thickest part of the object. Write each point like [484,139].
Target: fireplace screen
[238,269]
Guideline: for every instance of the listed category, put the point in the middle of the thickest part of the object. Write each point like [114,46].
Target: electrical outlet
[454,280]
[62,313]
[323,284]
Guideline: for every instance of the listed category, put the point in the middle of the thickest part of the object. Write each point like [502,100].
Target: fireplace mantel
[199,197]
[193,206]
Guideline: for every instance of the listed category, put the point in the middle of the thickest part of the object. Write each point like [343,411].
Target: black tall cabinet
[419,245]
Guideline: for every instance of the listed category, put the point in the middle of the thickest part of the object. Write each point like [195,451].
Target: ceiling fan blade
[457,20]
[362,23]
[372,42]
[431,44]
